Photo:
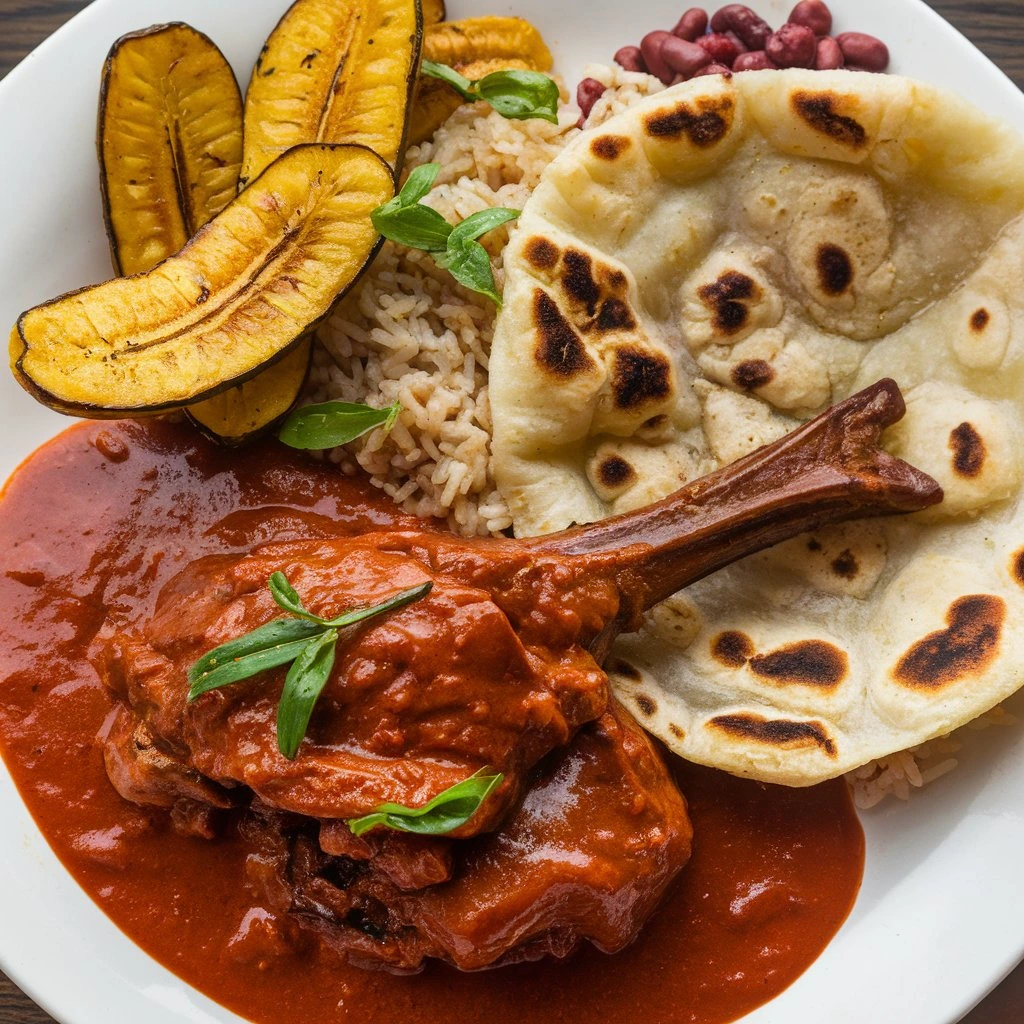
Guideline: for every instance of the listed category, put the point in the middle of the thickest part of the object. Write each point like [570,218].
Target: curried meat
[418,700]
[498,667]
[586,855]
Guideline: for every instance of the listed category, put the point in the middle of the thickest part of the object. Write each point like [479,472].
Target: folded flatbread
[710,267]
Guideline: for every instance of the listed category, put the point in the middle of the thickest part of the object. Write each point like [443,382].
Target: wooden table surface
[995,26]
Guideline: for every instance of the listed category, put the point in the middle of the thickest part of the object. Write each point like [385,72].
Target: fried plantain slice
[240,294]
[169,141]
[475,47]
[246,410]
[471,39]
[170,148]
[433,11]
[334,71]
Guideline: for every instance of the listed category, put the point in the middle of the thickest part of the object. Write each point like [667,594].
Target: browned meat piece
[586,855]
[464,679]
[142,773]
[499,664]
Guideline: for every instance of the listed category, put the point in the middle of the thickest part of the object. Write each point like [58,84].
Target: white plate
[938,920]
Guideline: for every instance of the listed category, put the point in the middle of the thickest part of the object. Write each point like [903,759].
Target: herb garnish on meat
[307,642]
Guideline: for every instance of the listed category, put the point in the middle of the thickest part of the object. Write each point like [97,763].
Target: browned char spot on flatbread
[614,315]
[732,648]
[704,125]
[776,732]
[820,111]
[752,374]
[578,279]
[966,647]
[845,565]
[835,269]
[561,350]
[727,297]
[542,253]
[1017,568]
[639,377]
[615,471]
[979,319]
[677,732]
[968,451]
[645,705]
[804,663]
[610,147]
[623,668]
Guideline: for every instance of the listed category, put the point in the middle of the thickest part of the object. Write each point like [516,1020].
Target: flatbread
[699,274]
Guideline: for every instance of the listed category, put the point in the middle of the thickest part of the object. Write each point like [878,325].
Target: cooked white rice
[409,333]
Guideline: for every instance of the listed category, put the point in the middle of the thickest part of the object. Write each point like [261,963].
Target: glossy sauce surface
[102,517]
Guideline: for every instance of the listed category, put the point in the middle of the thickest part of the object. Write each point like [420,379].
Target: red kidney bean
[713,69]
[588,92]
[792,46]
[814,14]
[720,47]
[747,24]
[692,24]
[864,51]
[630,58]
[829,56]
[650,48]
[755,60]
[682,57]
[741,47]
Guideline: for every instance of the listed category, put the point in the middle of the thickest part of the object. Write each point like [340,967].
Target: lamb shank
[498,667]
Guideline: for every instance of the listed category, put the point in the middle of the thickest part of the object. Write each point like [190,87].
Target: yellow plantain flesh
[246,410]
[170,147]
[170,142]
[472,39]
[433,11]
[475,47]
[241,293]
[334,71]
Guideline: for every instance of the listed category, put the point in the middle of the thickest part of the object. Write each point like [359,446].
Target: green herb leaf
[407,221]
[303,685]
[307,642]
[519,95]
[419,183]
[276,643]
[478,224]
[445,813]
[315,427]
[286,597]
[466,259]
[416,227]
[513,93]
[470,265]
[463,86]
[400,599]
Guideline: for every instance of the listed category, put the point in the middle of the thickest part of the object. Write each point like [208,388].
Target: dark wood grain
[996,27]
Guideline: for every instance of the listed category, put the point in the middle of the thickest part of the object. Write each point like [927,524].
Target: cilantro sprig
[515,94]
[444,814]
[306,642]
[406,220]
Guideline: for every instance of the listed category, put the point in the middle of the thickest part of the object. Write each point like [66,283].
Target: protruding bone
[827,471]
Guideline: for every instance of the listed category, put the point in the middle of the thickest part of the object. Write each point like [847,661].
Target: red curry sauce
[107,513]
